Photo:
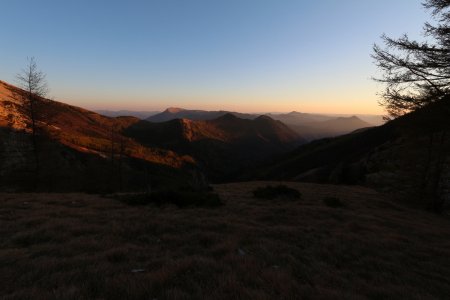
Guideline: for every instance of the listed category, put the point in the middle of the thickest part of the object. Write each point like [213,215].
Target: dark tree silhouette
[33,82]
[416,73]
[118,153]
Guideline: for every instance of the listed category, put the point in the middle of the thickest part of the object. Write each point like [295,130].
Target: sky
[240,55]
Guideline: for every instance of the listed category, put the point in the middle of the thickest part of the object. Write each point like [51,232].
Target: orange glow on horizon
[335,100]
[246,106]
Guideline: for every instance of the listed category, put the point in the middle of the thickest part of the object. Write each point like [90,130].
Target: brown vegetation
[80,129]
[76,246]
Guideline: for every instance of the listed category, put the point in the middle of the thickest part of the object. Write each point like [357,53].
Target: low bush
[181,198]
[272,192]
[333,202]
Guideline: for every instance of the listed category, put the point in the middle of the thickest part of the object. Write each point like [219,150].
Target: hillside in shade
[409,157]
[223,145]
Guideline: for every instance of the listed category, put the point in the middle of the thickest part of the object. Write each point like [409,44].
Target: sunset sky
[241,55]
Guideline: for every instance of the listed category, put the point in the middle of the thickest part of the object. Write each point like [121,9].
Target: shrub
[333,202]
[272,192]
[181,198]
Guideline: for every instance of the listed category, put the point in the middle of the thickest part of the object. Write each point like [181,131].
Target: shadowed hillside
[408,156]
[222,146]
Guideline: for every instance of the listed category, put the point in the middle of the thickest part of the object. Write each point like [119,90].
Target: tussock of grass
[180,198]
[333,202]
[272,192]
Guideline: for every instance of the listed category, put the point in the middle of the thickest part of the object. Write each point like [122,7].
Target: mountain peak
[228,116]
[264,118]
[174,110]
[294,112]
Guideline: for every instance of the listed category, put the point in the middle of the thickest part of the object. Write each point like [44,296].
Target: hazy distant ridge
[129,113]
[309,126]
[172,113]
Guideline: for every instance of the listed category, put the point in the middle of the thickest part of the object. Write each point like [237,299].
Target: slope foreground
[76,246]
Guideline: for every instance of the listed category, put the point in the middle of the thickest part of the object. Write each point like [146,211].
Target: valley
[124,153]
[220,144]
[178,150]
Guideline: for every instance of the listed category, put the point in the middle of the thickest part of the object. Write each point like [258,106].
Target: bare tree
[118,153]
[113,141]
[122,156]
[416,73]
[34,83]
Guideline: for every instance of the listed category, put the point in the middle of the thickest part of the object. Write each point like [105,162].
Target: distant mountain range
[288,118]
[313,130]
[309,126]
[127,113]
[172,113]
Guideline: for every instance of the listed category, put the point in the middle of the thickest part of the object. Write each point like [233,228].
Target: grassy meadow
[79,246]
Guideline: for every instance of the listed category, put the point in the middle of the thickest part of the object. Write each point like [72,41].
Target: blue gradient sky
[245,55]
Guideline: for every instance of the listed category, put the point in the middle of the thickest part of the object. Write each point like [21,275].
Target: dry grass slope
[76,246]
